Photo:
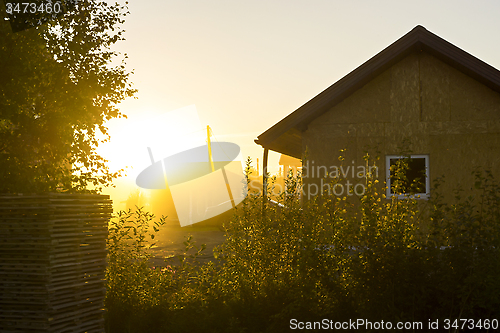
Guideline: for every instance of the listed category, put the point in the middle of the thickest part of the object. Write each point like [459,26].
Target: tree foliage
[59,84]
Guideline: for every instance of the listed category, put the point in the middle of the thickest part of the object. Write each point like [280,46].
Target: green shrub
[329,257]
[141,298]
[378,259]
[133,289]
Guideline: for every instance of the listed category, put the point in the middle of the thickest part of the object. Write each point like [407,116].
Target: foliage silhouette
[397,259]
[58,86]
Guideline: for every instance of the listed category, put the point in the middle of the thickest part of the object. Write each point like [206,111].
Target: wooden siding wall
[437,109]
[52,262]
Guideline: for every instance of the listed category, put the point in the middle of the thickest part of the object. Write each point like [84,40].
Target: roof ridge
[419,38]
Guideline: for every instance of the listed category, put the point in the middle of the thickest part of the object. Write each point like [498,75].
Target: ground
[170,241]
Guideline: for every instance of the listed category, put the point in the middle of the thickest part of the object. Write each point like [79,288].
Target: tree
[58,87]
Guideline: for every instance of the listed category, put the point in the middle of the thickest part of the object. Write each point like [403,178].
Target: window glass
[415,178]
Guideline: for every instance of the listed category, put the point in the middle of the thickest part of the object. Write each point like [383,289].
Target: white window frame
[388,178]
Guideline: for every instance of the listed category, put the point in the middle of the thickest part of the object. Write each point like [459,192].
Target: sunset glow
[166,133]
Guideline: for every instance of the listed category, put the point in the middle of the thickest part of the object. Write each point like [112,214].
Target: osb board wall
[433,107]
[52,262]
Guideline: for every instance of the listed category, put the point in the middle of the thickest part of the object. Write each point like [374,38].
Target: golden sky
[245,65]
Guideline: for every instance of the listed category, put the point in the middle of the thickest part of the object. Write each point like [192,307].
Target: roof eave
[417,39]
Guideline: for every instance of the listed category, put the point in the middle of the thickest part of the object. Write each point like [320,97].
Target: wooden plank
[52,262]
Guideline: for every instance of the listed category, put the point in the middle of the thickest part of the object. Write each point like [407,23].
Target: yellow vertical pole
[210,149]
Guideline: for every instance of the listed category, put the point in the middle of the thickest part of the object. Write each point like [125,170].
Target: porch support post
[264,181]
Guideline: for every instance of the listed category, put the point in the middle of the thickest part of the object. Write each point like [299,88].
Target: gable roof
[286,136]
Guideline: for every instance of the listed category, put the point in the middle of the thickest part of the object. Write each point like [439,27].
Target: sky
[242,66]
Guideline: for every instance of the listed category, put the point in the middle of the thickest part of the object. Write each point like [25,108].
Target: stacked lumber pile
[52,262]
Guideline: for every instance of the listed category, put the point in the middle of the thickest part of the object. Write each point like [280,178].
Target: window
[413,182]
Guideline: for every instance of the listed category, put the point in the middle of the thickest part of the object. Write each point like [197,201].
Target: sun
[166,133]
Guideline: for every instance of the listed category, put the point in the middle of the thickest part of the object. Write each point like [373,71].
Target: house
[421,94]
